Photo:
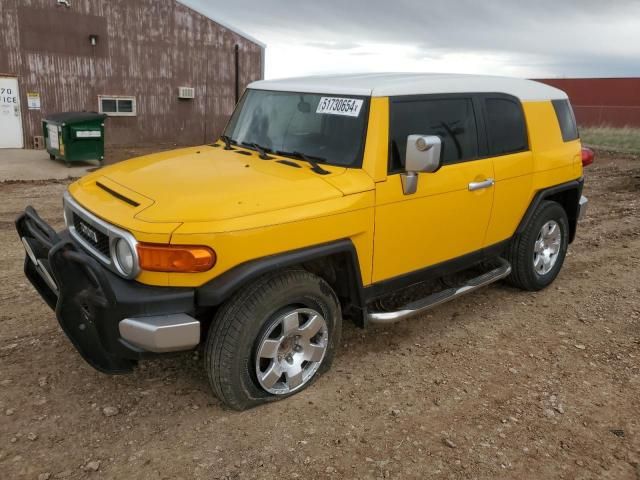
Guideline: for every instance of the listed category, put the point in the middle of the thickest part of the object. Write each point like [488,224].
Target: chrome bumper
[582,207]
[162,333]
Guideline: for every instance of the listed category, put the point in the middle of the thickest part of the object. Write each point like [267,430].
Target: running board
[419,306]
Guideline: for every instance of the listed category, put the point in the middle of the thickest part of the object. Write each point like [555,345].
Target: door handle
[489,182]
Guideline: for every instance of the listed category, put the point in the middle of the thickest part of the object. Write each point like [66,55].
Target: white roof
[392,84]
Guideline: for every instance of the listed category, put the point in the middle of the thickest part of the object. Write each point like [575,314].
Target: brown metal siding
[602,101]
[146,49]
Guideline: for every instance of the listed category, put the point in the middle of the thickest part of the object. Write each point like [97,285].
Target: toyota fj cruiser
[326,198]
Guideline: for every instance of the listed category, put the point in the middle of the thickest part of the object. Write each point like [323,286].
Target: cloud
[334,45]
[542,38]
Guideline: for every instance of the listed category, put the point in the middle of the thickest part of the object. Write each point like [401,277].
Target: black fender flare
[217,291]
[572,189]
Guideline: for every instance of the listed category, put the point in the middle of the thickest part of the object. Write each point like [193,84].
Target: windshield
[327,128]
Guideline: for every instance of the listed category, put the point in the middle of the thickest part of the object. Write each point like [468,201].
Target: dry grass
[626,139]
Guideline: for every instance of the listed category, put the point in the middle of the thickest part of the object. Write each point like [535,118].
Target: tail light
[588,156]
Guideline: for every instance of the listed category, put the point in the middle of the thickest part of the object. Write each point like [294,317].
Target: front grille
[100,242]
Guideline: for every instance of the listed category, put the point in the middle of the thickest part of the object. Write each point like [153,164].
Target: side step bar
[419,306]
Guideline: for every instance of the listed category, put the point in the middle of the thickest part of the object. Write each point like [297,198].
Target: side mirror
[423,155]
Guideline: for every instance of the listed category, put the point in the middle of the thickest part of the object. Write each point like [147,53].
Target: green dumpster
[74,136]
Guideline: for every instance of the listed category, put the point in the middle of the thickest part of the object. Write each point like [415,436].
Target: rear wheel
[272,339]
[537,254]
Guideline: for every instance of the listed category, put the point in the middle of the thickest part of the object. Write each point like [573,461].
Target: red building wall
[602,101]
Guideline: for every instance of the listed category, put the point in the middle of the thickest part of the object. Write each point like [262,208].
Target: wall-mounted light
[93,39]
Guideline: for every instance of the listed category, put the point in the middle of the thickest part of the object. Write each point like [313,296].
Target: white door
[10,115]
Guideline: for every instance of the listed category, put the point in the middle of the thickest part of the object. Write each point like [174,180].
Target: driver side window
[452,119]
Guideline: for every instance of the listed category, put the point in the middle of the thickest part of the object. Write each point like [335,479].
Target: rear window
[566,119]
[505,126]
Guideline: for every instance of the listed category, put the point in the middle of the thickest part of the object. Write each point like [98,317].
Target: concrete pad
[36,165]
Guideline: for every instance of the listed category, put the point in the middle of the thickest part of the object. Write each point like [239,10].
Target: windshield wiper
[262,151]
[228,141]
[310,160]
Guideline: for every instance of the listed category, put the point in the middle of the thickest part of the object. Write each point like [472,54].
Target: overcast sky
[534,38]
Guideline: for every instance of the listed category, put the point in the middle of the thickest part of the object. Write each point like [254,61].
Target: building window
[117,106]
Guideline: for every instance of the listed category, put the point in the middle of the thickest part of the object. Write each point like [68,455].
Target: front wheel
[272,339]
[537,254]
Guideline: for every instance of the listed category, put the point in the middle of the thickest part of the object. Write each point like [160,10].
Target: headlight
[124,257]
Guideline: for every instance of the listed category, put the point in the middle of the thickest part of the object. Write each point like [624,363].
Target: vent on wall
[38,142]
[186,92]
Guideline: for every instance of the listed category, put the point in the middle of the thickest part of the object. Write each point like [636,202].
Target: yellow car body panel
[442,220]
[377,145]
[214,184]
[111,209]
[241,206]
[512,194]
[347,218]
[519,176]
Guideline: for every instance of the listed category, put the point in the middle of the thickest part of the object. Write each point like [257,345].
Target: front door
[10,115]
[448,215]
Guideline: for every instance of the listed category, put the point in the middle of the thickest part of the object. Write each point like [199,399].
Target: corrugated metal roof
[222,23]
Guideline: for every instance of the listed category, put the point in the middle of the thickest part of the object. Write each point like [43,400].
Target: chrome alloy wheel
[291,351]
[547,247]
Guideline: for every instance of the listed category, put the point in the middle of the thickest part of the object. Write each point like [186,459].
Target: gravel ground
[499,384]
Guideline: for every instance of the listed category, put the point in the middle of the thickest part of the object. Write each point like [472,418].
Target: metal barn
[164,73]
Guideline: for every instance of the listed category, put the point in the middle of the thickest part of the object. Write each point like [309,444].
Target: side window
[506,127]
[567,120]
[453,120]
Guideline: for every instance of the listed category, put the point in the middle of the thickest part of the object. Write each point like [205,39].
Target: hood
[209,184]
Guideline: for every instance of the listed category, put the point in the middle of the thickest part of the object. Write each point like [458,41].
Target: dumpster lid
[72,117]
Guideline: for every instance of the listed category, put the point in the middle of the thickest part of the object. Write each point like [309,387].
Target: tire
[530,269]
[241,339]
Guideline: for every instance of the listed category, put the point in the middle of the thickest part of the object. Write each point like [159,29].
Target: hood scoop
[117,195]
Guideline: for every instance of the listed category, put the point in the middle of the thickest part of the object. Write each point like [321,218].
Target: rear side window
[505,126]
[566,119]
[453,120]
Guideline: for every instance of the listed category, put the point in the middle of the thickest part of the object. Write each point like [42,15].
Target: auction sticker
[340,106]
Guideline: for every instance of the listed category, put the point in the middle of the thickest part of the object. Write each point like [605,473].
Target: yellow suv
[326,198]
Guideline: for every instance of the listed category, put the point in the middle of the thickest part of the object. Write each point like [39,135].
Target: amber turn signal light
[175,258]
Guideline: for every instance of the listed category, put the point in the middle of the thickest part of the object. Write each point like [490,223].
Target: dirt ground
[500,384]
